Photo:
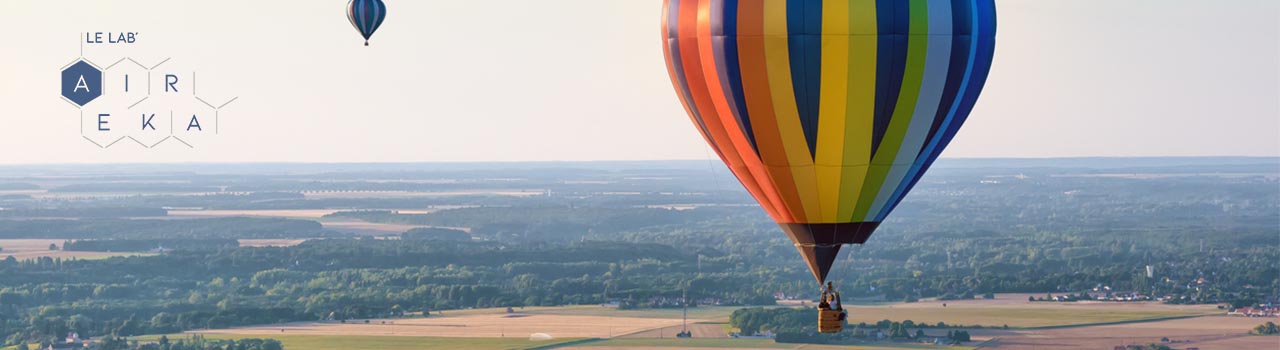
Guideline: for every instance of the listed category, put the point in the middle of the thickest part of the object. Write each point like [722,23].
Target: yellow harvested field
[740,344]
[479,325]
[295,214]
[349,342]
[699,331]
[23,249]
[367,227]
[1015,311]
[407,194]
[1205,333]
[653,329]
[270,242]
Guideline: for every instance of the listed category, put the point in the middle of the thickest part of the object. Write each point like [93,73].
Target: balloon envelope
[828,111]
[366,16]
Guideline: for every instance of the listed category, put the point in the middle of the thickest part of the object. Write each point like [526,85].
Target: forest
[639,235]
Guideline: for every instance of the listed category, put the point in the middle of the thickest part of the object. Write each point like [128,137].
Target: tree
[898,330]
[113,343]
[53,246]
[920,333]
[23,346]
[1031,298]
[1268,328]
[272,344]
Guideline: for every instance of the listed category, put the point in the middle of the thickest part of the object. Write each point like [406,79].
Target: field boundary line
[566,344]
[1144,320]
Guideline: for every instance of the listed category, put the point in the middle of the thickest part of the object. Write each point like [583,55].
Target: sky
[574,80]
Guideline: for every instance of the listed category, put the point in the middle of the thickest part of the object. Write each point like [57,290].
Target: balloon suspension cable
[819,245]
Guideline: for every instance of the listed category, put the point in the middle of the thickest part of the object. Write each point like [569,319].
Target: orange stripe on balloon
[755,85]
[764,192]
[675,80]
[696,79]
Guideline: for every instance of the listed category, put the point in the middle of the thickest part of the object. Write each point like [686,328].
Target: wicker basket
[829,321]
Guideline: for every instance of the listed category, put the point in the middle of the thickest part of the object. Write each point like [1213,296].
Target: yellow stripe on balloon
[778,64]
[860,113]
[832,106]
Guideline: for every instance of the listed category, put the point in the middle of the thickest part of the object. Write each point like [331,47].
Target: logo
[153,104]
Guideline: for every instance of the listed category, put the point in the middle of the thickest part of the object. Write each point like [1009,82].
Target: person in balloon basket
[831,301]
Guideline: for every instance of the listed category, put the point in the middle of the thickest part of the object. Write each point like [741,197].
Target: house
[1249,311]
[72,341]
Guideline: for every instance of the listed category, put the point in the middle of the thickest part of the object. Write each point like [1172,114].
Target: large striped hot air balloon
[366,16]
[828,111]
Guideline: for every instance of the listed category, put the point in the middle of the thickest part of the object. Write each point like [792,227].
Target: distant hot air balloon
[828,111]
[366,16]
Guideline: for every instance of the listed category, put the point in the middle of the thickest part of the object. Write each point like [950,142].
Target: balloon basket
[829,321]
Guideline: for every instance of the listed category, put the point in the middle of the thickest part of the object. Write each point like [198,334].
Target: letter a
[194,124]
[81,85]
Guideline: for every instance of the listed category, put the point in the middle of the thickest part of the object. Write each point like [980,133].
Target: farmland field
[1205,333]
[408,194]
[270,242]
[466,326]
[22,249]
[1015,311]
[708,313]
[362,227]
[648,344]
[349,342]
[295,214]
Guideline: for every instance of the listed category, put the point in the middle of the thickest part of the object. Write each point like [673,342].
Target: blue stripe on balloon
[804,43]
[382,15]
[377,17]
[937,61]
[962,35]
[362,7]
[975,74]
[894,24]
[733,71]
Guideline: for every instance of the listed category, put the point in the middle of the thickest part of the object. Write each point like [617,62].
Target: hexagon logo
[81,83]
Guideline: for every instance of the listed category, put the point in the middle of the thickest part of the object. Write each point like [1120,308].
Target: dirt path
[699,330]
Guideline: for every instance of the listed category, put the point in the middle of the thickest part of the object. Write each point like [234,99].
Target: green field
[347,342]
[748,344]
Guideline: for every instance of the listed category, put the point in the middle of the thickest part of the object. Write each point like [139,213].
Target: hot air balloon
[366,16]
[828,111]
